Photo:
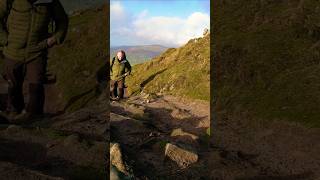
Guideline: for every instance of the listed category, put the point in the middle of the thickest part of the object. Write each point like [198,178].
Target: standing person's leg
[14,73]
[35,77]
[121,88]
[112,88]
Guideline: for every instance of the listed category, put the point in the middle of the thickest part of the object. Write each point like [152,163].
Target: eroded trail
[144,125]
[65,146]
[239,148]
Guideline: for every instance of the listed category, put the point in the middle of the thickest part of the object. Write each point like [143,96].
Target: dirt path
[143,125]
[66,146]
[239,148]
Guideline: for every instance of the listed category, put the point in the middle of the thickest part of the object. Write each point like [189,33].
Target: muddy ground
[239,147]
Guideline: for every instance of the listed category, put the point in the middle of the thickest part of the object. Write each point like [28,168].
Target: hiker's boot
[3,117]
[6,117]
[23,118]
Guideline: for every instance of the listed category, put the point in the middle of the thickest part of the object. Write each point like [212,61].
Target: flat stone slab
[181,156]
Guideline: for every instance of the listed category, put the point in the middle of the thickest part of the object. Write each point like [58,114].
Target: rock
[114,175]
[180,132]
[146,96]
[12,129]
[87,122]
[86,73]
[135,109]
[181,156]
[180,114]
[171,87]
[13,171]
[71,140]
[116,158]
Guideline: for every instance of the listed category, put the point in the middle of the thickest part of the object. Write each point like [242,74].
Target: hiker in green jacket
[25,38]
[119,69]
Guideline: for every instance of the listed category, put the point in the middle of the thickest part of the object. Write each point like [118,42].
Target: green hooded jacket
[119,68]
[24,27]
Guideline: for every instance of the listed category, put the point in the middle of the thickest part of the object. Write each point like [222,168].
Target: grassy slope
[79,58]
[184,71]
[267,58]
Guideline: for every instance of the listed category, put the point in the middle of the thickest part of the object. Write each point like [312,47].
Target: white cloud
[117,11]
[143,14]
[164,30]
[171,30]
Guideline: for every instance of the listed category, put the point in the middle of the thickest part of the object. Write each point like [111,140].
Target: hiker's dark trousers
[31,72]
[117,88]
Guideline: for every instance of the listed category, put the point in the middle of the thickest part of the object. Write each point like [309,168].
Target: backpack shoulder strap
[113,59]
[112,62]
[9,6]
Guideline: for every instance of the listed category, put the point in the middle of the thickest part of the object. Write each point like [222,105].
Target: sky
[170,23]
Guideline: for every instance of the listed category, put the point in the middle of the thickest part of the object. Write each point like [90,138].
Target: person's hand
[51,41]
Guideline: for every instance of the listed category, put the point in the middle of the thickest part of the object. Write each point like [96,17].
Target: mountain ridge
[140,53]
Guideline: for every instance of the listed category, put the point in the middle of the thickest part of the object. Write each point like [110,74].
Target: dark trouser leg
[35,76]
[14,72]
[113,87]
[121,88]
[36,99]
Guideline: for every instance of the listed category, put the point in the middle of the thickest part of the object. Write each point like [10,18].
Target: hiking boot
[115,98]
[22,118]
[8,115]
[3,117]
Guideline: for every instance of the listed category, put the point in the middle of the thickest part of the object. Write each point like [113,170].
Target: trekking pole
[122,76]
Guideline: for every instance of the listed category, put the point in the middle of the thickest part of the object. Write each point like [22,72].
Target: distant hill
[139,54]
[183,71]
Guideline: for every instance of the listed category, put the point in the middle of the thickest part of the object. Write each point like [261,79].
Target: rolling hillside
[139,54]
[183,71]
